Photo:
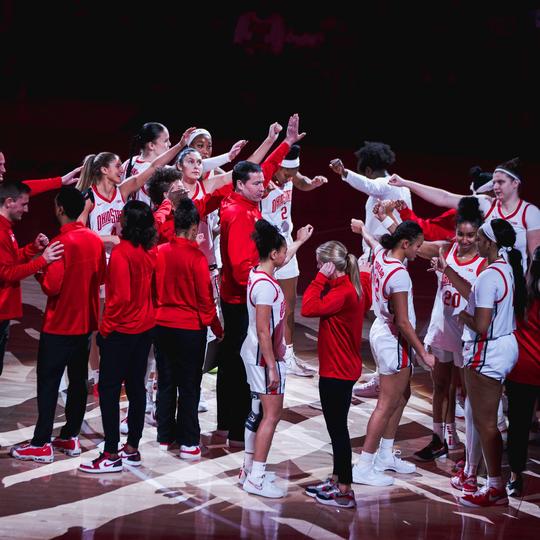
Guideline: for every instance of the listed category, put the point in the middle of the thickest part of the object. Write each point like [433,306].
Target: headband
[509,173]
[196,133]
[487,229]
[291,163]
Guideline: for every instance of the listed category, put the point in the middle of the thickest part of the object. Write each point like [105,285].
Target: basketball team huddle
[166,265]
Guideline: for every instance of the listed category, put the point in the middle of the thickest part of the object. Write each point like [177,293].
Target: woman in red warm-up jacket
[340,295]
[184,309]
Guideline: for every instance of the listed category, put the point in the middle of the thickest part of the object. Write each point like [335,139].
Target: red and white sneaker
[487,496]
[452,438]
[102,464]
[71,446]
[190,452]
[130,458]
[27,452]
[467,484]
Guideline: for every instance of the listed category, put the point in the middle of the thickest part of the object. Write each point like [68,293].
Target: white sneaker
[270,475]
[394,463]
[124,429]
[365,473]
[203,405]
[452,438]
[460,413]
[264,488]
[190,452]
[369,389]
[295,366]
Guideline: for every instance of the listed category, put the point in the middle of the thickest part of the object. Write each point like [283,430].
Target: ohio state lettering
[111,216]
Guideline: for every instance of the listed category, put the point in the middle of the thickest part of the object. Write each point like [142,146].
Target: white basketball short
[494,358]
[289,271]
[257,378]
[391,353]
[445,357]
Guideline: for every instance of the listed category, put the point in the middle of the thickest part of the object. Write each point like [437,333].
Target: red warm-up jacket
[336,302]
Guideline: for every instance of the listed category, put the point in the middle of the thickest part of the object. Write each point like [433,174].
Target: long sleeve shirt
[129,306]
[41,186]
[441,227]
[184,297]
[336,302]
[15,264]
[72,282]
[377,189]
[238,251]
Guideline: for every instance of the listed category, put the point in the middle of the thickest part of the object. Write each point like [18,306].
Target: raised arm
[302,236]
[303,183]
[273,132]
[137,181]
[358,227]
[436,196]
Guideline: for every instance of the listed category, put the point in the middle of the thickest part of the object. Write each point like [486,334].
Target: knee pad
[255,415]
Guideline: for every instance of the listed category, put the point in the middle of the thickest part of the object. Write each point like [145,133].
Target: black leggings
[335,397]
[521,402]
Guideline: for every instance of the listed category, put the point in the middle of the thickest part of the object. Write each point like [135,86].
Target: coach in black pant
[69,319]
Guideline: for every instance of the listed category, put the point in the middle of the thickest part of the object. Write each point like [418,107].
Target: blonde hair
[91,171]
[335,252]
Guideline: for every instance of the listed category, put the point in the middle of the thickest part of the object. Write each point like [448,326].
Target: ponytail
[354,273]
[407,230]
[91,171]
[505,236]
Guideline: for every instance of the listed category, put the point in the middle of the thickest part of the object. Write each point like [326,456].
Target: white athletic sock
[473,447]
[365,458]
[289,351]
[248,461]
[385,447]
[451,428]
[438,429]
[257,471]
[495,482]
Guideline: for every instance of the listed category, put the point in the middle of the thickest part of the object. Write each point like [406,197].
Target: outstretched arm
[303,183]
[436,196]
[137,181]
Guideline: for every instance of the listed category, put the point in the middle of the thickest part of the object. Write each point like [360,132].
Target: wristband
[387,222]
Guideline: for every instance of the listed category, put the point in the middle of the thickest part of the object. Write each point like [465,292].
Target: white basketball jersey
[445,329]
[104,217]
[526,217]
[206,226]
[263,289]
[390,275]
[139,166]
[276,208]
[494,289]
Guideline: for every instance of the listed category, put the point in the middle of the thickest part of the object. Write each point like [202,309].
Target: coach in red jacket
[17,263]
[72,288]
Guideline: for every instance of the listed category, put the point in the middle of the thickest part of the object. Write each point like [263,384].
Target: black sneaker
[435,449]
[515,488]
